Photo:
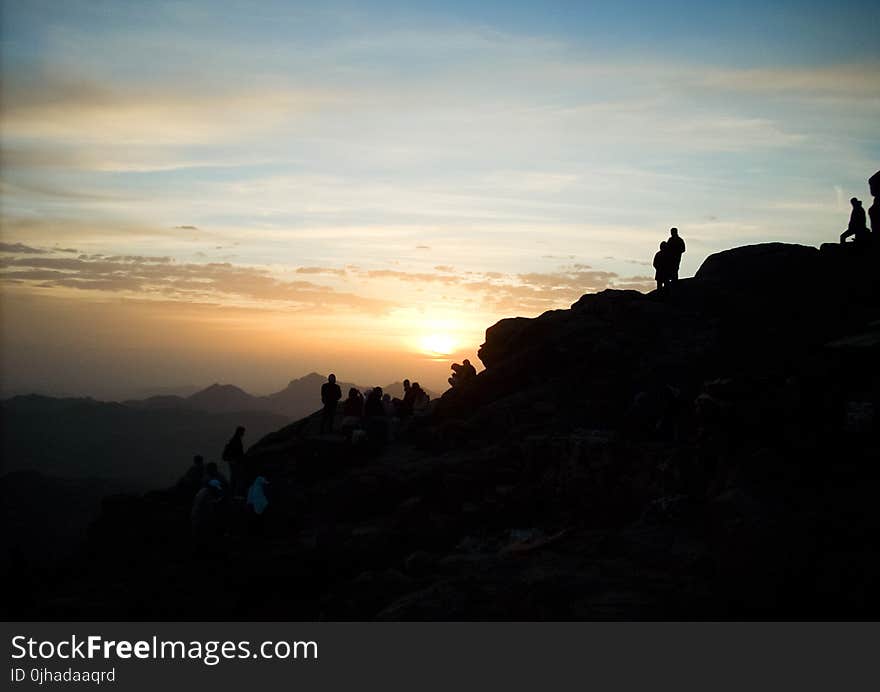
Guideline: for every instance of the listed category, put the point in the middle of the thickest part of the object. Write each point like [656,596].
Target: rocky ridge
[709,453]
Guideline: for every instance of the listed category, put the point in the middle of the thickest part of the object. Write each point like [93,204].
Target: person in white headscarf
[257,503]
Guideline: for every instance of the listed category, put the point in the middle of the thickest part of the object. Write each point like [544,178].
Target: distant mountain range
[299,398]
[145,443]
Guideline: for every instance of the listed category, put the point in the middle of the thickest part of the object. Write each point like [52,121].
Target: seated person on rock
[212,473]
[462,373]
[352,410]
[857,227]
[192,480]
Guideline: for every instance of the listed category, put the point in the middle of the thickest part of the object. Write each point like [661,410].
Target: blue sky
[384,172]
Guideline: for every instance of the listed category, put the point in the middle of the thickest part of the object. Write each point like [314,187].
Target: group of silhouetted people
[374,413]
[667,260]
[213,494]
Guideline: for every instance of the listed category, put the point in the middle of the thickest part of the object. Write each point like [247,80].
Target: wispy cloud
[162,277]
[21,249]
[321,270]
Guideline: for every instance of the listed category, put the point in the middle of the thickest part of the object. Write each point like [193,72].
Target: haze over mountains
[299,398]
[145,442]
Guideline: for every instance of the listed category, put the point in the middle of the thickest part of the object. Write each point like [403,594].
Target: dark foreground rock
[710,453]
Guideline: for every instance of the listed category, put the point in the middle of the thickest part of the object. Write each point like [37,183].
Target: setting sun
[438,344]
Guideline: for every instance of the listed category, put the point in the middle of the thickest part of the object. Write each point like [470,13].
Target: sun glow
[438,344]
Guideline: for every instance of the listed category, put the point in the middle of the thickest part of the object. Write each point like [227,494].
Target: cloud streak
[162,277]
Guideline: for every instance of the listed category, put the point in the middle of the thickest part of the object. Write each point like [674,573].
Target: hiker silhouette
[373,407]
[233,454]
[662,262]
[874,211]
[462,373]
[192,480]
[857,227]
[420,398]
[208,515]
[330,396]
[676,248]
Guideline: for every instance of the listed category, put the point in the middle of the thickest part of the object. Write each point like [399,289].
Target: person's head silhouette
[663,245]
[331,378]
[239,431]
[673,232]
[855,202]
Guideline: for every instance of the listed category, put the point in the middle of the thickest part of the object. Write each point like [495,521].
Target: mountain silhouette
[222,398]
[704,453]
[135,448]
[299,398]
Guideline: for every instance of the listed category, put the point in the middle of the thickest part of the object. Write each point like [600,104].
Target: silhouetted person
[388,405]
[353,406]
[454,377]
[675,248]
[375,420]
[409,396]
[206,517]
[192,480]
[857,227]
[352,410]
[662,263]
[420,399]
[874,211]
[373,407]
[212,473]
[330,396]
[461,374]
[233,454]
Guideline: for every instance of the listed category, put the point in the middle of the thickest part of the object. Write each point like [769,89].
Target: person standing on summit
[675,249]
[874,211]
[233,454]
[330,396]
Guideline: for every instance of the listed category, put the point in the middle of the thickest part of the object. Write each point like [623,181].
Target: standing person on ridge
[675,248]
[661,266]
[874,211]
[409,396]
[330,396]
[233,454]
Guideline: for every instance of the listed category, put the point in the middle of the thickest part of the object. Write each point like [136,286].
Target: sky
[244,192]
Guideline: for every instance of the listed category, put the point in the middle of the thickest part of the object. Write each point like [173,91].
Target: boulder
[757,267]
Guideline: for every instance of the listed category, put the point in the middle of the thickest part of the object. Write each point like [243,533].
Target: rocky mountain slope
[708,453]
